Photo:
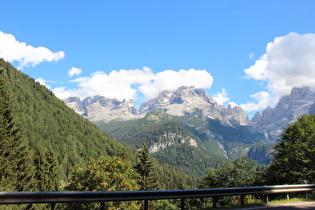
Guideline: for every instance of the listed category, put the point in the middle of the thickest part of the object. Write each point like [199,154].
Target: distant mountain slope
[191,144]
[221,138]
[157,134]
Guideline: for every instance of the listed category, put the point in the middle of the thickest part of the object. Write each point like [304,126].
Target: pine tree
[15,160]
[148,180]
[46,173]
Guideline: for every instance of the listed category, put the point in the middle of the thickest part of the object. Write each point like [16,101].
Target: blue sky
[244,52]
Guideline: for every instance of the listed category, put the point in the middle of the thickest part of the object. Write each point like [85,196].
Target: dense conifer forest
[179,153]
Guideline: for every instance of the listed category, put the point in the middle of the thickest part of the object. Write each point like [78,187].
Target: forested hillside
[168,141]
[47,124]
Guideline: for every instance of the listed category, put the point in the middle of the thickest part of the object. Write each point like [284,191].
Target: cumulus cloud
[170,80]
[221,98]
[26,55]
[264,99]
[135,83]
[289,62]
[74,71]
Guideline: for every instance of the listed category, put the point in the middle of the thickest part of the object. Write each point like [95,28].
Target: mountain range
[210,128]
[190,102]
[185,101]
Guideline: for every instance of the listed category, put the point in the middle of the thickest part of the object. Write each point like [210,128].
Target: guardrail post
[182,203]
[102,205]
[146,204]
[267,198]
[215,200]
[242,200]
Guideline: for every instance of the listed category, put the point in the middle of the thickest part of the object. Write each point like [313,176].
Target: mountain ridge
[185,101]
[191,102]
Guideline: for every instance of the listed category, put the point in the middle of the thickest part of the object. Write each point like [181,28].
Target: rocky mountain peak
[257,118]
[192,102]
[301,101]
[288,109]
[304,93]
[267,114]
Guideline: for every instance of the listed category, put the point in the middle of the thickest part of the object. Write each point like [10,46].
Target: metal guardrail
[105,196]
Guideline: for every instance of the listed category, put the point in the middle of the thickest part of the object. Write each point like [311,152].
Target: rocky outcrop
[168,139]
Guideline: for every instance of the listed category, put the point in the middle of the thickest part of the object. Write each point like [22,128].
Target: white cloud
[233,104]
[289,62]
[62,93]
[74,71]
[264,99]
[221,98]
[170,80]
[26,55]
[42,82]
[135,83]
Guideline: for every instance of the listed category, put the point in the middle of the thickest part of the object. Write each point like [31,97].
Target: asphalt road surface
[287,206]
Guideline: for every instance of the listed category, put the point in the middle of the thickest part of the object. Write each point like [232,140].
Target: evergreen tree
[294,154]
[46,172]
[148,180]
[15,161]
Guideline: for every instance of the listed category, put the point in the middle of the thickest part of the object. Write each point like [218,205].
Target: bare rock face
[267,115]
[103,109]
[288,110]
[75,104]
[167,139]
[257,119]
[185,101]
[191,102]
[301,101]
[236,115]
[100,108]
